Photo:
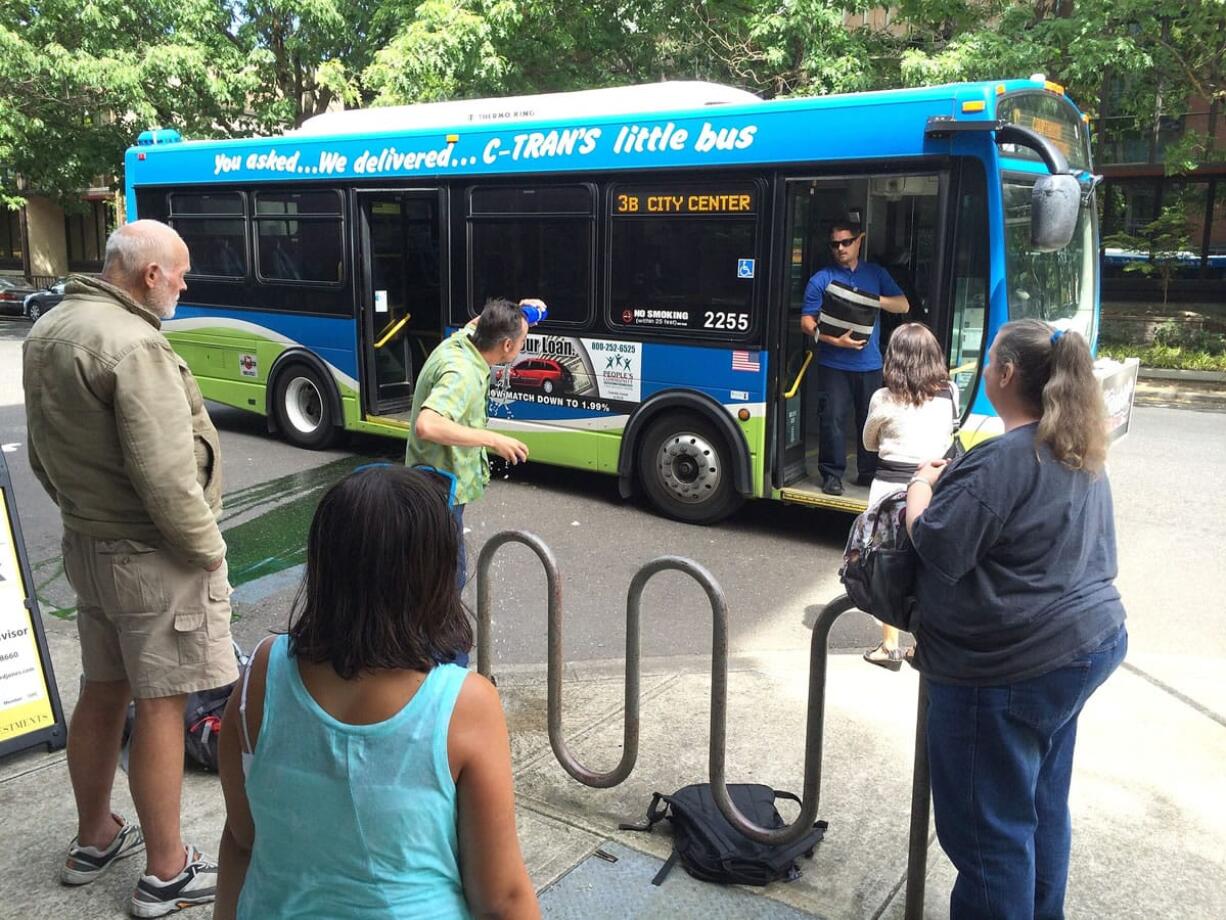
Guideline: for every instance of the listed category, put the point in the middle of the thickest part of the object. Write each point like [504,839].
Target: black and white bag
[879,562]
[712,850]
[845,309]
[956,447]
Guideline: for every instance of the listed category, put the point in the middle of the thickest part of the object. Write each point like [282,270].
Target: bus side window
[533,241]
[299,236]
[212,225]
[683,258]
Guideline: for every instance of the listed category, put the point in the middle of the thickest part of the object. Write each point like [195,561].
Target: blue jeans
[1001,761]
[840,394]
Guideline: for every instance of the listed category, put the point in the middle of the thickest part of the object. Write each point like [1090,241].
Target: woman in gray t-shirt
[1018,620]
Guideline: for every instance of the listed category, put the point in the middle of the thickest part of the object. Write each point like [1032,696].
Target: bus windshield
[1057,287]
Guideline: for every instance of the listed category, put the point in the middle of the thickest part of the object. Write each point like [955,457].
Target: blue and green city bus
[671,229]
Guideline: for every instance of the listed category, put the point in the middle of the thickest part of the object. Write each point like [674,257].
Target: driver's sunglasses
[843,244]
[445,480]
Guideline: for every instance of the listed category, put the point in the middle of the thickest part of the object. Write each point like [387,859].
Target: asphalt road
[776,563]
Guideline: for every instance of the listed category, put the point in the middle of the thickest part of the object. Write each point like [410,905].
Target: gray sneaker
[84,864]
[196,884]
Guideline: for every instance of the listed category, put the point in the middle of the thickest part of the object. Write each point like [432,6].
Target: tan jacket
[119,436]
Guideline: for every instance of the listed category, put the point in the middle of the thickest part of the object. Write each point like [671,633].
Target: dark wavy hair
[1056,379]
[380,585]
[914,369]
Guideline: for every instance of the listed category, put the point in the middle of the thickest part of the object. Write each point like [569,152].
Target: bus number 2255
[720,320]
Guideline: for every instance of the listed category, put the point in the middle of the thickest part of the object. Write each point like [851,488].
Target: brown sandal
[890,659]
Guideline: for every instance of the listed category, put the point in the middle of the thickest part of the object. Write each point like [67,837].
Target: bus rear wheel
[686,469]
[302,408]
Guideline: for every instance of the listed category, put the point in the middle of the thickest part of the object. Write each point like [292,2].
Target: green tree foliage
[79,81]
[1158,52]
[80,78]
[451,49]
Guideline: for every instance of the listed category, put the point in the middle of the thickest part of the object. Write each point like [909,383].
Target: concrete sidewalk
[1148,797]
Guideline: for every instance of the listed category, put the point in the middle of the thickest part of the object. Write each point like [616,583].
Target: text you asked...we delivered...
[630,141]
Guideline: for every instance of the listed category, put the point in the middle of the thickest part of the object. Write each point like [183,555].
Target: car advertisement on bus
[594,375]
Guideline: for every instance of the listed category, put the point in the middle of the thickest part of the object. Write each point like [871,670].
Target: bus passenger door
[810,206]
[902,218]
[402,272]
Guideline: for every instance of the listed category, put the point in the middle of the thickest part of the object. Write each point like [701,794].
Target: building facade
[1137,191]
[44,241]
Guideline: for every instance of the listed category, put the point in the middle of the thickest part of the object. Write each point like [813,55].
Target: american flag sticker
[745,361]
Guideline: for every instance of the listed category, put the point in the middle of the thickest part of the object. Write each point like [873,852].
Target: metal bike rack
[814,722]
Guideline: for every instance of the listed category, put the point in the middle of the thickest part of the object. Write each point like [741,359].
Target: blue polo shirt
[867,277]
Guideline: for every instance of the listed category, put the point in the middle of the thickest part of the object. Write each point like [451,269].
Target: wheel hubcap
[303,405]
[689,467]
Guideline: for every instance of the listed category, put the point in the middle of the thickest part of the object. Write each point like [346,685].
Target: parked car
[12,296]
[40,302]
[544,374]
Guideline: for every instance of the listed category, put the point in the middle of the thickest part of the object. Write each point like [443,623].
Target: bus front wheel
[302,409]
[686,469]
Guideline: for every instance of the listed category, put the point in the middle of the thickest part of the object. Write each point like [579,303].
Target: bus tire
[302,408]
[685,468]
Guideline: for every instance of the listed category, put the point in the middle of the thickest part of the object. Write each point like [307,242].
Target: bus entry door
[401,293]
[811,204]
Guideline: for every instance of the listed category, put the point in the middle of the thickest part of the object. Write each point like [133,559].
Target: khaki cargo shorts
[148,617]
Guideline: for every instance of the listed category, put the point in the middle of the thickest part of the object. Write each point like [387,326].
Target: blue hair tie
[1055,335]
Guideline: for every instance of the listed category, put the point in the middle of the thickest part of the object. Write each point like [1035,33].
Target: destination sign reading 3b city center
[659,201]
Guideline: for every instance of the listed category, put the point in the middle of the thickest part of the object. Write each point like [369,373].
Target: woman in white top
[910,421]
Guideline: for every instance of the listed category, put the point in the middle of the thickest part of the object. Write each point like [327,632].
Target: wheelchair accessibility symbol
[744,268]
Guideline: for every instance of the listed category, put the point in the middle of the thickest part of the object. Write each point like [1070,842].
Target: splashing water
[501,399]
[501,396]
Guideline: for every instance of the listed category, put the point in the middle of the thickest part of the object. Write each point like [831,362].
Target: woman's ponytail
[1057,376]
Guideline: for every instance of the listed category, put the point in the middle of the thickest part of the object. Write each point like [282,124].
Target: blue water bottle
[534,312]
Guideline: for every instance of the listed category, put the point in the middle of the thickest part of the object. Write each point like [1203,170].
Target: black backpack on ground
[201,721]
[202,725]
[712,850]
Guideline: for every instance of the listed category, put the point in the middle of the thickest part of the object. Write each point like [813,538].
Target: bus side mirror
[1054,207]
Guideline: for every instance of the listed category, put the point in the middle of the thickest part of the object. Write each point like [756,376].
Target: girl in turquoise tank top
[362,778]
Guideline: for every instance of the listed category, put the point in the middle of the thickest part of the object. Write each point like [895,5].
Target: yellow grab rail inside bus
[799,377]
[389,331]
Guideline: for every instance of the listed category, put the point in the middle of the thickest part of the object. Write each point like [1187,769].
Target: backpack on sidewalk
[878,570]
[712,850]
[202,725]
[201,722]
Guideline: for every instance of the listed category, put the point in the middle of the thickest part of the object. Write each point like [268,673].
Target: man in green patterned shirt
[451,404]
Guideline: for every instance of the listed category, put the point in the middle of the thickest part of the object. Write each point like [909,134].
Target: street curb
[1159,373]
[1203,391]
